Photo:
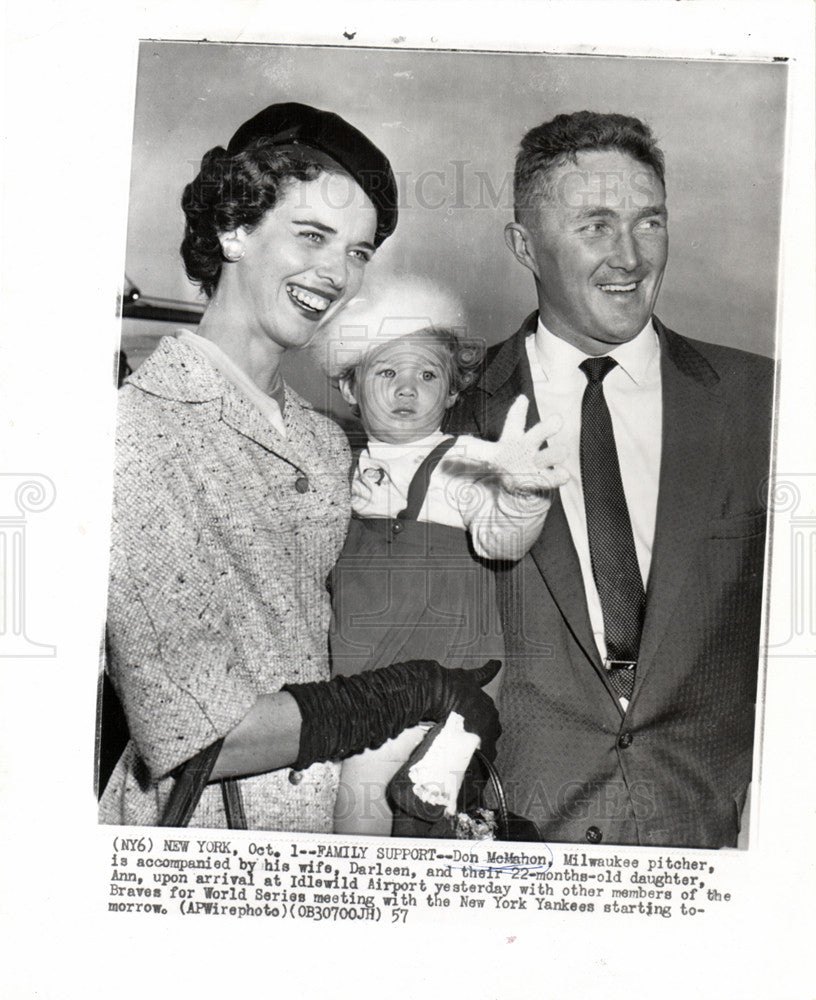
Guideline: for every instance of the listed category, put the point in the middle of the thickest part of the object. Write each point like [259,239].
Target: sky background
[451,123]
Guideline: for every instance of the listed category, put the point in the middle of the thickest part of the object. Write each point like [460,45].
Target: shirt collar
[386,449]
[635,357]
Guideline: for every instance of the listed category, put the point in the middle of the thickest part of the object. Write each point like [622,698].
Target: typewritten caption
[204,876]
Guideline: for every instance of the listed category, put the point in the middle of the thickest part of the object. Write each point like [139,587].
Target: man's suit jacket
[674,769]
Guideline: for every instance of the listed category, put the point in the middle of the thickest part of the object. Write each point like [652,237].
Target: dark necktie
[611,543]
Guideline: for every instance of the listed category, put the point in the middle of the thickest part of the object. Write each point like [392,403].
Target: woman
[231,499]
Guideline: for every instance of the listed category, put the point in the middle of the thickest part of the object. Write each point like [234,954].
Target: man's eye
[313,236]
[362,255]
[594,228]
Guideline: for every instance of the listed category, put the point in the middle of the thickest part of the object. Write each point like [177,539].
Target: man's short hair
[559,141]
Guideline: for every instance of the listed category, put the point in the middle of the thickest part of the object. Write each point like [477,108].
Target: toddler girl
[429,513]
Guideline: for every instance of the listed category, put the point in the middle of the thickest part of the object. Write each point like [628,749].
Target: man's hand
[523,465]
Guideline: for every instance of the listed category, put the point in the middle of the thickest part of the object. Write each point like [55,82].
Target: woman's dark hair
[233,191]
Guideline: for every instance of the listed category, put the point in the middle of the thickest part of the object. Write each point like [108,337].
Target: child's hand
[364,485]
[523,466]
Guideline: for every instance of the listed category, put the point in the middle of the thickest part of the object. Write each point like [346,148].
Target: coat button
[295,777]
[594,835]
[302,485]
[625,740]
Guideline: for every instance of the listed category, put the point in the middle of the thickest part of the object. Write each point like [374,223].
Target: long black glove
[347,715]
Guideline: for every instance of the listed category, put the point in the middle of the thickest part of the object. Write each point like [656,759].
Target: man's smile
[611,288]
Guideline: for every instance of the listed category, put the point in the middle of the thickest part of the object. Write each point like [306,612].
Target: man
[632,627]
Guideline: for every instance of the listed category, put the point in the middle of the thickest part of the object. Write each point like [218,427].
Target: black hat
[300,125]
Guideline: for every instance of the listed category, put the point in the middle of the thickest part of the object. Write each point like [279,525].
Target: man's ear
[347,389]
[517,238]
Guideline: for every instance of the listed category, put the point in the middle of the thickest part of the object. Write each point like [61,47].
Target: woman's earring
[233,250]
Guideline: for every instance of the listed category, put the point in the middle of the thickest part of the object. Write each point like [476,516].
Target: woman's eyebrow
[316,225]
[330,231]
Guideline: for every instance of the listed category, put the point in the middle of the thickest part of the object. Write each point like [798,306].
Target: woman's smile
[311,302]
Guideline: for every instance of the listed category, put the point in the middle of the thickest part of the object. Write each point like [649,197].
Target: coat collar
[509,357]
[176,372]
[512,354]
[506,375]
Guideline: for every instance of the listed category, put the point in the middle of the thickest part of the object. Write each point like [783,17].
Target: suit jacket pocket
[739,526]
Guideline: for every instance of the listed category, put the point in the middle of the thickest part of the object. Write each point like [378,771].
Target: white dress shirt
[633,394]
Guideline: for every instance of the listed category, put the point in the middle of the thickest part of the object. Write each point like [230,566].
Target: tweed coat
[674,768]
[224,533]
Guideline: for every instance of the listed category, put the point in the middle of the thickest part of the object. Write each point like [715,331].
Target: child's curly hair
[464,357]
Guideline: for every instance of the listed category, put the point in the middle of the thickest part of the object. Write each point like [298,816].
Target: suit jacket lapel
[555,556]
[693,414]
[553,553]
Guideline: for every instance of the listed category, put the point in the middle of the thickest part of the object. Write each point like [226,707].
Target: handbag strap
[233,804]
[502,817]
[191,780]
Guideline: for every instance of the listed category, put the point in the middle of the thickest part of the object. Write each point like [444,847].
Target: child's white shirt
[461,494]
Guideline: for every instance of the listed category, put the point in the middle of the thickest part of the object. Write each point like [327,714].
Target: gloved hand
[523,466]
[346,715]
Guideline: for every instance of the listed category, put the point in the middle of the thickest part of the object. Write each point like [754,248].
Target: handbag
[481,809]
[192,777]
[509,826]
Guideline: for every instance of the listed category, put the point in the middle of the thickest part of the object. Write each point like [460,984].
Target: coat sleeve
[169,629]
[507,526]
[502,525]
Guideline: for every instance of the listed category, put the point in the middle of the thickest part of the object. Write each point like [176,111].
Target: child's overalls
[405,589]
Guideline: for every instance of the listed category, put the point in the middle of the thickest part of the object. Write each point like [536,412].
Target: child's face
[402,389]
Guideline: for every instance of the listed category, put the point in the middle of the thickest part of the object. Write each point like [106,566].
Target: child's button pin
[295,777]
[302,485]
[374,475]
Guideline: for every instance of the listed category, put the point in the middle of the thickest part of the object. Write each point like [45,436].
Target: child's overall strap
[422,477]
